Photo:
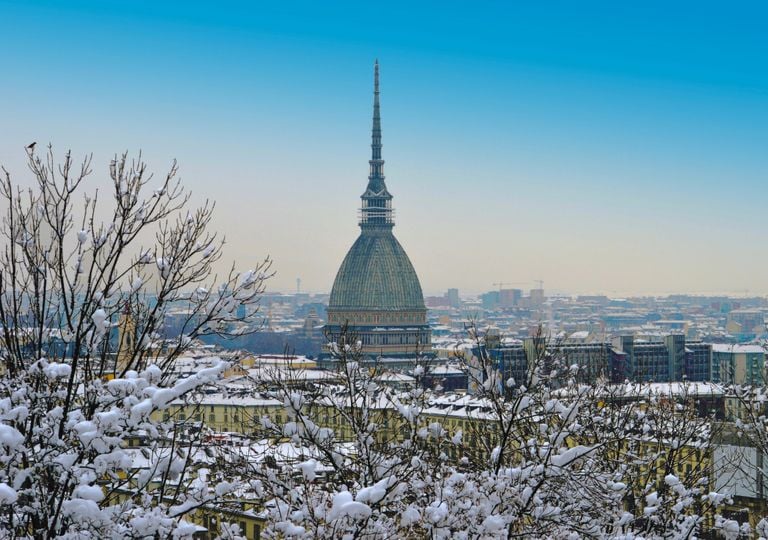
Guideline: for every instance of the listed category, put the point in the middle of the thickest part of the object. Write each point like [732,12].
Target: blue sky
[595,145]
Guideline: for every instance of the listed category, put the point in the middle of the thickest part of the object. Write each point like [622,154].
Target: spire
[377,164]
[377,201]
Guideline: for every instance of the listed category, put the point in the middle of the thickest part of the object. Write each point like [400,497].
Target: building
[745,324]
[510,297]
[738,364]
[536,297]
[669,359]
[126,347]
[453,298]
[698,361]
[376,293]
[490,300]
[449,378]
[650,361]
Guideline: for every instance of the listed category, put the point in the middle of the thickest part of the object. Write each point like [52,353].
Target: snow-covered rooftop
[734,348]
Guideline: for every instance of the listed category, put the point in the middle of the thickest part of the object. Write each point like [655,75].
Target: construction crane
[502,283]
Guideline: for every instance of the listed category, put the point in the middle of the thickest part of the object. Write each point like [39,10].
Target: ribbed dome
[376,275]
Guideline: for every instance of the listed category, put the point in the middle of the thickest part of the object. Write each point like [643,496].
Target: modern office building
[377,294]
[669,359]
[698,361]
[738,364]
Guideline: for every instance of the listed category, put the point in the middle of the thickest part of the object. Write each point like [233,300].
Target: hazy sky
[596,146]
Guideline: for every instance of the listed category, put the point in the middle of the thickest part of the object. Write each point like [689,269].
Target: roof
[220,398]
[395,377]
[377,275]
[681,389]
[445,370]
[728,348]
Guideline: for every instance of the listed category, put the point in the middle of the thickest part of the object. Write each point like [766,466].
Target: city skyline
[623,156]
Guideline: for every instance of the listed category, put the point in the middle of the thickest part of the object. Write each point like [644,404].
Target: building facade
[376,295]
[738,364]
[670,359]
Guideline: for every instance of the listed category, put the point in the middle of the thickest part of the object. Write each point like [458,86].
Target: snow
[494,524]
[56,370]
[456,439]
[164,267]
[99,319]
[10,437]
[146,257]
[571,455]
[247,279]
[82,510]
[671,480]
[8,495]
[162,397]
[308,469]
[374,494]
[410,516]
[737,348]
[91,493]
[289,529]
[223,488]
[344,505]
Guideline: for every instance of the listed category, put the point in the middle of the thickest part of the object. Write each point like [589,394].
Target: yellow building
[226,414]
[249,518]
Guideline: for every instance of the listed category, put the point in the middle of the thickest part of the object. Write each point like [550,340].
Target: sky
[601,147]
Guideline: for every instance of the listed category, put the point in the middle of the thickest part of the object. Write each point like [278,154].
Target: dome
[376,274]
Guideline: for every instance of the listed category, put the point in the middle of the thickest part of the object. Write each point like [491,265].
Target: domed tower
[377,292]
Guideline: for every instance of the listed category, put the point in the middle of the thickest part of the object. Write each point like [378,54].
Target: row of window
[396,318]
[401,339]
[181,415]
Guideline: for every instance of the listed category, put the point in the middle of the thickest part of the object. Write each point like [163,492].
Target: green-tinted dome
[376,275]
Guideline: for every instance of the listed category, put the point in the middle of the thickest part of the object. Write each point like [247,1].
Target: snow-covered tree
[744,449]
[662,450]
[359,449]
[76,264]
[545,456]
[600,460]
[540,471]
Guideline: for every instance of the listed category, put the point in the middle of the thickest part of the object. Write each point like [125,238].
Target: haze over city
[597,147]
